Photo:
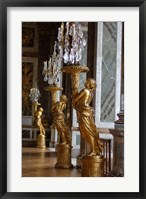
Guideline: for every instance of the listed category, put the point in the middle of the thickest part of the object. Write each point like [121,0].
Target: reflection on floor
[40,163]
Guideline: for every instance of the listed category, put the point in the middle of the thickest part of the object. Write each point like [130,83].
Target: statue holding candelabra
[51,72]
[41,136]
[38,116]
[64,146]
[85,115]
[38,110]
[59,120]
[71,43]
[88,130]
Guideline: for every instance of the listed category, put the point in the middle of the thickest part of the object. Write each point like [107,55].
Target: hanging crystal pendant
[66,57]
[84,42]
[71,56]
[45,78]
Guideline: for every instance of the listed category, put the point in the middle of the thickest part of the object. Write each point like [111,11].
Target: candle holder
[52,68]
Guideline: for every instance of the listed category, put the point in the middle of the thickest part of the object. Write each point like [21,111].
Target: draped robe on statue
[59,121]
[85,116]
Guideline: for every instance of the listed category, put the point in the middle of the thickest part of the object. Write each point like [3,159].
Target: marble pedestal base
[92,166]
[63,156]
[118,159]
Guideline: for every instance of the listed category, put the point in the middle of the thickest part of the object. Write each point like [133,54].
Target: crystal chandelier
[34,94]
[34,97]
[67,49]
[71,43]
[52,68]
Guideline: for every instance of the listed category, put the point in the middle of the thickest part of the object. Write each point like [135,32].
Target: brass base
[41,142]
[64,156]
[92,166]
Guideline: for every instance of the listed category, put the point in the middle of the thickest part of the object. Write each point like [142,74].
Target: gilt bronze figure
[64,146]
[38,116]
[41,136]
[85,115]
[59,120]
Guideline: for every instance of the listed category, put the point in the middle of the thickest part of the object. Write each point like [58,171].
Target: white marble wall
[117,77]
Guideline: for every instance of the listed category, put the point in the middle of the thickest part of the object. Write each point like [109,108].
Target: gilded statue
[85,116]
[59,120]
[38,120]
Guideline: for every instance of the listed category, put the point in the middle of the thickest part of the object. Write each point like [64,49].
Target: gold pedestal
[92,166]
[75,72]
[53,89]
[41,142]
[64,156]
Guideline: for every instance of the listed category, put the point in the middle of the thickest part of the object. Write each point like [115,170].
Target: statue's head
[90,83]
[41,109]
[63,98]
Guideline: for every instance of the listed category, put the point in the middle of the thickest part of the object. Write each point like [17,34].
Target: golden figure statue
[38,119]
[59,120]
[85,115]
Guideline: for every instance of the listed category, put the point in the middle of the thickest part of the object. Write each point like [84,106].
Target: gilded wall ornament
[27,83]
[28,35]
